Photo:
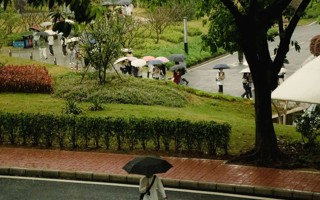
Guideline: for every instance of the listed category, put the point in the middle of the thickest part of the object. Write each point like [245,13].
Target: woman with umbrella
[149,187]
[220,75]
[42,44]
[219,79]
[150,184]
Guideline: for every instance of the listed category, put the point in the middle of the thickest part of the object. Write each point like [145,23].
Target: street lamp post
[185,35]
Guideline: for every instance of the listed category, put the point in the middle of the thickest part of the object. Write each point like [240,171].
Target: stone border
[174,183]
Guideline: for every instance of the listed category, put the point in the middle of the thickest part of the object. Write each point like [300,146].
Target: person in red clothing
[177,77]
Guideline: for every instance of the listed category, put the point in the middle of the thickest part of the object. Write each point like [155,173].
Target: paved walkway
[199,174]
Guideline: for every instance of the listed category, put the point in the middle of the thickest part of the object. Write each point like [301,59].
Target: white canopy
[302,86]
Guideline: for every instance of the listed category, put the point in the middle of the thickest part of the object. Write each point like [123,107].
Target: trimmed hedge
[126,134]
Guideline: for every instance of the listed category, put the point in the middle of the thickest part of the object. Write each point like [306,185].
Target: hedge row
[111,133]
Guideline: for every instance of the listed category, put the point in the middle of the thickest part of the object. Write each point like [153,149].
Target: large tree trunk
[266,147]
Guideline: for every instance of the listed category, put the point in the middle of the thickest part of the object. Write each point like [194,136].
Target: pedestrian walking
[245,85]
[176,77]
[219,80]
[156,73]
[72,47]
[42,44]
[149,187]
[51,35]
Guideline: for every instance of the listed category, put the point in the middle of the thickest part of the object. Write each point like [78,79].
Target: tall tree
[248,25]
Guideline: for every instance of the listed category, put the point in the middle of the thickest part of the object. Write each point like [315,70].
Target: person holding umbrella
[42,44]
[149,187]
[219,79]
[220,75]
[149,184]
[50,39]
[246,85]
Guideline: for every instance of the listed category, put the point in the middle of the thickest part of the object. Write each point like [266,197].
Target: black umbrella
[155,62]
[147,165]
[177,67]
[177,57]
[221,66]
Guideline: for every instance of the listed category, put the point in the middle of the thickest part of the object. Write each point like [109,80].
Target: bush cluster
[127,90]
[29,79]
[115,133]
[315,45]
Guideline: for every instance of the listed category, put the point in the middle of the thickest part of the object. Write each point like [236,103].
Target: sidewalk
[190,173]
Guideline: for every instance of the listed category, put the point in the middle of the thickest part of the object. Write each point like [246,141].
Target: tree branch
[232,7]
[284,43]
[276,9]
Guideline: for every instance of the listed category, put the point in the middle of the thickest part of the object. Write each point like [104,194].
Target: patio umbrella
[177,57]
[147,165]
[177,67]
[245,70]
[138,63]
[45,24]
[148,58]
[221,66]
[163,59]
[155,62]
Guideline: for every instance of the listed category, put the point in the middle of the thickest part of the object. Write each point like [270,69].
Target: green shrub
[125,134]
[127,90]
[96,104]
[308,124]
[72,107]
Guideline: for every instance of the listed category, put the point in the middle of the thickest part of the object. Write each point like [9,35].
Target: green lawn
[239,113]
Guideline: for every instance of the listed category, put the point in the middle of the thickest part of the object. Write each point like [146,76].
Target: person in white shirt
[51,35]
[149,187]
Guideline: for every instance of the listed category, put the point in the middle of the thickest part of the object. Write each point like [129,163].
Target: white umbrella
[50,32]
[245,70]
[163,59]
[132,58]
[120,60]
[45,24]
[138,63]
[69,21]
[73,39]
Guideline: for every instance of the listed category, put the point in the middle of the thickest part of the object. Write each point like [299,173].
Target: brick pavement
[186,172]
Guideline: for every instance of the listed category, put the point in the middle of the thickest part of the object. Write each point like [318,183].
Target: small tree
[159,18]
[101,44]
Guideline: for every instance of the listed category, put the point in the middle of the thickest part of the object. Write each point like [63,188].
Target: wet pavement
[191,173]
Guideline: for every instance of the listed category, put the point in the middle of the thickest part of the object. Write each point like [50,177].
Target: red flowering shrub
[29,78]
[315,45]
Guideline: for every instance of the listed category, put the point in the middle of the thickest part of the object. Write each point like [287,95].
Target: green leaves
[125,134]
